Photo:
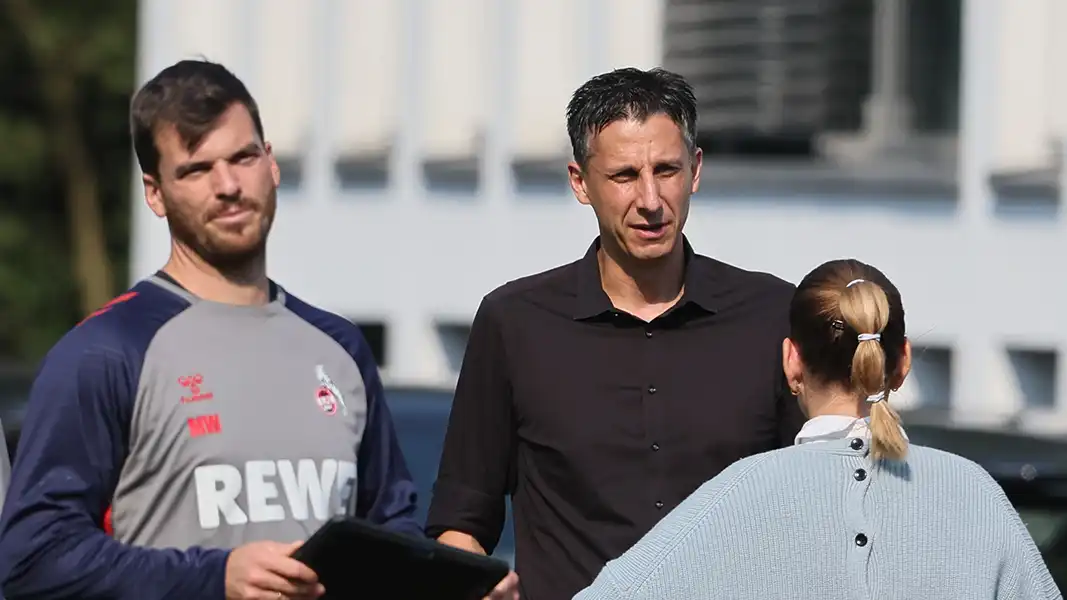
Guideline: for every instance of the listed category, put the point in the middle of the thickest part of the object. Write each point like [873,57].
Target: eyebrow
[675,163]
[251,148]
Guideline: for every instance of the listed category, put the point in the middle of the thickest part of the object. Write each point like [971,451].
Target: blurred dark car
[421,417]
[1032,471]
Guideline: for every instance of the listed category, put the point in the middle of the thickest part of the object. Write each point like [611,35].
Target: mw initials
[204,425]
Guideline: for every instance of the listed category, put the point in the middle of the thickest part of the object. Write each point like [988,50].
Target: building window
[776,78]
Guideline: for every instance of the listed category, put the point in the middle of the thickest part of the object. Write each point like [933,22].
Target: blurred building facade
[423,151]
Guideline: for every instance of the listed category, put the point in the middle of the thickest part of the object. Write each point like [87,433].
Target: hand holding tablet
[357,559]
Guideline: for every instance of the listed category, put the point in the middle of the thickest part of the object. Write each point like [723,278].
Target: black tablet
[355,559]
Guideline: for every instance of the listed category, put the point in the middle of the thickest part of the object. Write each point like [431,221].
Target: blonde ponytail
[865,308]
[887,440]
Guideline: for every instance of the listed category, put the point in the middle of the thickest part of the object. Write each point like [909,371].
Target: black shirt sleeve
[477,462]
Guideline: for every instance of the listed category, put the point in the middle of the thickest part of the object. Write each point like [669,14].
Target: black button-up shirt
[599,423]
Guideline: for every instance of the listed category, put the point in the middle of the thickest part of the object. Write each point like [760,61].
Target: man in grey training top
[183,440]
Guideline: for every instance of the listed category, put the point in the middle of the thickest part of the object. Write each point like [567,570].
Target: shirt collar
[591,300]
[835,427]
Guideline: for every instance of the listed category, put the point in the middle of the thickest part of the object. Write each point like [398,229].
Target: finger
[314,594]
[507,589]
[285,548]
[308,590]
[272,584]
[291,569]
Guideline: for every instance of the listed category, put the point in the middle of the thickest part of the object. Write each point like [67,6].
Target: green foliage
[94,44]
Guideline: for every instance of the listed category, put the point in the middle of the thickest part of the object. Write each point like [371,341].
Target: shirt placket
[651,340]
[858,522]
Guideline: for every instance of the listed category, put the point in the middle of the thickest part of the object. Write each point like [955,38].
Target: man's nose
[648,199]
[224,181]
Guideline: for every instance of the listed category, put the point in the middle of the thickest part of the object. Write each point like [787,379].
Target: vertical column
[453,100]
[148,234]
[1024,60]
[285,80]
[1057,78]
[322,72]
[888,109]
[406,172]
[982,377]
[416,354]
[550,65]
[370,62]
[978,103]
[633,36]
[496,160]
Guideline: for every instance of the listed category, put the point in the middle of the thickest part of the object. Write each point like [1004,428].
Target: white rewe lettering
[346,483]
[306,484]
[217,487]
[261,491]
[309,489]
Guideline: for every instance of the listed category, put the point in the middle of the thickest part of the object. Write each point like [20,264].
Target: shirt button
[860,474]
[856,444]
[651,389]
[655,447]
[648,334]
[659,504]
[861,540]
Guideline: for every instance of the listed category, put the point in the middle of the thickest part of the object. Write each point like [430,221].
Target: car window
[421,419]
[1048,527]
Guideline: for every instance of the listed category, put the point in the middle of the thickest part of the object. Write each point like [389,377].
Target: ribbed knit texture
[784,524]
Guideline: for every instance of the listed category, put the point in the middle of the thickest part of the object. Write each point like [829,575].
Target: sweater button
[860,474]
[861,540]
[856,444]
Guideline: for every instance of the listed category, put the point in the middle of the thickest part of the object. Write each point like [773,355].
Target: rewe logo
[273,490]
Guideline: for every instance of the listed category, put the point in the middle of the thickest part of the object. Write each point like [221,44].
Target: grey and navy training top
[165,429]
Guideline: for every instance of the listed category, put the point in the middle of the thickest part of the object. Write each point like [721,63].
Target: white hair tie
[875,398]
[869,337]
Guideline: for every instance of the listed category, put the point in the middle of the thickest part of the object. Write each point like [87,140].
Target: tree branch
[92,265]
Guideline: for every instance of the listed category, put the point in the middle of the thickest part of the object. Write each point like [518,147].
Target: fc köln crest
[327,395]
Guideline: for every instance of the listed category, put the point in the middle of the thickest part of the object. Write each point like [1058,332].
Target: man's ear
[275,171]
[577,180]
[698,164]
[153,195]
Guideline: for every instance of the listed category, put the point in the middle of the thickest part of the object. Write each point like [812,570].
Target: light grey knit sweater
[818,521]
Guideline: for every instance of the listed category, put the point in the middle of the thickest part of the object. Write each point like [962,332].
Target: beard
[230,250]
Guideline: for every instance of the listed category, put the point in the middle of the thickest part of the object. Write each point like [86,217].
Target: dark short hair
[629,93]
[831,308]
[191,95]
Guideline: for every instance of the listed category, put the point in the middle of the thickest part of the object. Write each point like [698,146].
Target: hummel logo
[193,382]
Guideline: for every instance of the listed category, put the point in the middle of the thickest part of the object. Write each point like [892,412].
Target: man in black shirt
[601,393]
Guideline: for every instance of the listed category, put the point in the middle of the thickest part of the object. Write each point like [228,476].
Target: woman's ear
[792,366]
[904,367]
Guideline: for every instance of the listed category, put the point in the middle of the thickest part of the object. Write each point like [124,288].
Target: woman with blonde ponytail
[852,510]
[864,307]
